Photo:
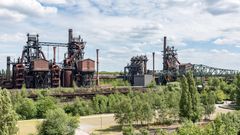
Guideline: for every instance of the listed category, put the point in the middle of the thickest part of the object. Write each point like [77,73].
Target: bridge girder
[200,70]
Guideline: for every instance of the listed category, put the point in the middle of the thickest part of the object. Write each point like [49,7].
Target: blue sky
[203,31]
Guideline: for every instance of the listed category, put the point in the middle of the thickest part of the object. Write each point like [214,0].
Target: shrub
[8,117]
[44,104]
[58,123]
[26,109]
[79,107]
[128,130]
[220,96]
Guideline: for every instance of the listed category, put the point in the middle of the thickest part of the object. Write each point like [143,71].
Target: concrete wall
[142,80]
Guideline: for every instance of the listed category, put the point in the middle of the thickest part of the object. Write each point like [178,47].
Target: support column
[97,81]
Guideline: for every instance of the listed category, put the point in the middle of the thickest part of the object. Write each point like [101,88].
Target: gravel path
[92,122]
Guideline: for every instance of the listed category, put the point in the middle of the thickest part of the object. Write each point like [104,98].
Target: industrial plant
[33,70]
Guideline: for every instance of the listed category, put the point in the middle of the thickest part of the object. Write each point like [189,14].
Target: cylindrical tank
[67,78]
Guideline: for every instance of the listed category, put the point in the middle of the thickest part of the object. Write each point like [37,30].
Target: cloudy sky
[204,31]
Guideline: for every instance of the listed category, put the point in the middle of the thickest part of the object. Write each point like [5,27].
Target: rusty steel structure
[75,67]
[35,71]
[138,66]
[172,68]
[170,64]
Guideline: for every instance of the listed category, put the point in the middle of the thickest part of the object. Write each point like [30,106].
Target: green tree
[142,110]
[58,123]
[190,106]
[113,101]
[195,98]
[8,117]
[44,104]
[100,104]
[79,107]
[160,105]
[238,89]
[124,112]
[208,101]
[26,109]
[185,101]
[220,96]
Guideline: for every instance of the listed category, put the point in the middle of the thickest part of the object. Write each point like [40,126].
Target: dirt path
[90,123]
[219,110]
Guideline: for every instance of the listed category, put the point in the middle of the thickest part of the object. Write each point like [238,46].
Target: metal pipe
[54,55]
[164,52]
[145,67]
[70,35]
[8,74]
[97,81]
[153,55]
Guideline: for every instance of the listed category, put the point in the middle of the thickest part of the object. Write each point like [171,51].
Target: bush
[226,124]
[152,84]
[100,104]
[79,107]
[8,117]
[44,104]
[189,128]
[58,123]
[144,132]
[128,130]
[26,109]
[220,96]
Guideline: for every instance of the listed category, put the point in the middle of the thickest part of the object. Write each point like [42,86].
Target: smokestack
[145,67]
[54,55]
[70,35]
[97,82]
[153,55]
[164,52]
[8,74]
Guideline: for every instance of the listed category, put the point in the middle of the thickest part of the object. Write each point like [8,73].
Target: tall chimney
[97,81]
[54,55]
[164,52]
[145,67]
[70,35]
[153,55]
[8,72]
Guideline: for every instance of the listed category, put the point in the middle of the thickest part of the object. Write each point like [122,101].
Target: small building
[142,80]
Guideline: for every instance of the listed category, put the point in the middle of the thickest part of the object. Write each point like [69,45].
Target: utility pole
[153,55]
[97,82]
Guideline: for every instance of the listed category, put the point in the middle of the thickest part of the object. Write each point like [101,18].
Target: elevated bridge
[200,70]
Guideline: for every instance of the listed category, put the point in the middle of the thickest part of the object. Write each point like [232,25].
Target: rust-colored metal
[55,76]
[54,55]
[153,55]
[97,53]
[67,78]
[18,75]
[86,65]
[33,69]
[40,65]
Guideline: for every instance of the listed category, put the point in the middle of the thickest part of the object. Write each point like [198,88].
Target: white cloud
[11,15]
[22,8]
[53,1]
[17,37]
[122,29]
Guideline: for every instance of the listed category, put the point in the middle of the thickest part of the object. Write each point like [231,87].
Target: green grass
[114,82]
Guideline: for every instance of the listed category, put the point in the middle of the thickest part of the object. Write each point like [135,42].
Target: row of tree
[14,107]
